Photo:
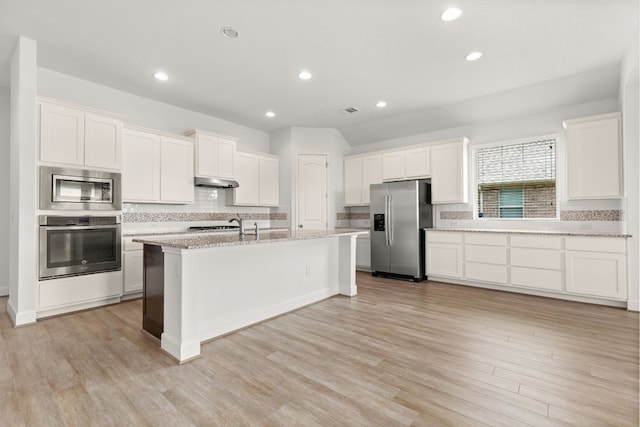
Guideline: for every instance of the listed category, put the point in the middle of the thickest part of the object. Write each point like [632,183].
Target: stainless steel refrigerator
[398,213]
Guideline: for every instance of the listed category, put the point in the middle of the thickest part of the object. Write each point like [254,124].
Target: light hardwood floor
[397,354]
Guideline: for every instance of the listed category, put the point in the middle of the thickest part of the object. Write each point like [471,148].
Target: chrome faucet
[257,231]
[240,223]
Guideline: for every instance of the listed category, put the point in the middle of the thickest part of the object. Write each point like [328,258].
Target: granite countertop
[534,232]
[229,239]
[149,233]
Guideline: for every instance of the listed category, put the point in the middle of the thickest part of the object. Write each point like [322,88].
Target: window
[517,180]
[511,205]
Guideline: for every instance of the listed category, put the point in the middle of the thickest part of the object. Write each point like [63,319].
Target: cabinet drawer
[541,242]
[492,239]
[443,237]
[536,258]
[536,278]
[486,272]
[79,289]
[485,254]
[596,244]
[129,245]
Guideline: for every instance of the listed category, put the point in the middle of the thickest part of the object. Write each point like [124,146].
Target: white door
[312,191]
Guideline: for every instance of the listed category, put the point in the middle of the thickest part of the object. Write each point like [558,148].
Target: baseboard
[20,318]
[633,305]
[4,291]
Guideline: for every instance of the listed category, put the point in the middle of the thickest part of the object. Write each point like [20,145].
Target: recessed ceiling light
[451,14]
[160,75]
[229,32]
[304,75]
[381,104]
[270,114]
[473,56]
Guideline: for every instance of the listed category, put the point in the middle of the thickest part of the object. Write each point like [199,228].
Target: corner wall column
[23,246]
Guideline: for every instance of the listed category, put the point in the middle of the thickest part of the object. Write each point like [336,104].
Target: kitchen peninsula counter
[197,288]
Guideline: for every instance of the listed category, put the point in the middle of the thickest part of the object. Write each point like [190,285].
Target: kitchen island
[210,285]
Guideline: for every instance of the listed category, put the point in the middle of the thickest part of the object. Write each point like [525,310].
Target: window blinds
[517,180]
[516,163]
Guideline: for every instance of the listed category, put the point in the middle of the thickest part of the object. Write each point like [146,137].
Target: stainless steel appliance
[79,189]
[398,213]
[74,245]
[214,227]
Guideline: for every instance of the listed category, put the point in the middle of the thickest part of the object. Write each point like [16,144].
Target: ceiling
[359,52]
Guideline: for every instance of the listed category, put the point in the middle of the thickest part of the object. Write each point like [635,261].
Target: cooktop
[214,227]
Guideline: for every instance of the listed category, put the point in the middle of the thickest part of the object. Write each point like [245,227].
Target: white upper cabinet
[410,163]
[103,142]
[176,170]
[393,165]
[258,177]
[353,181]
[417,162]
[215,155]
[72,136]
[594,157]
[140,166]
[157,168]
[371,174]
[269,186]
[359,173]
[449,172]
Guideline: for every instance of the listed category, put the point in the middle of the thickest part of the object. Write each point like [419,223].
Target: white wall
[289,143]
[143,111]
[546,123]
[4,191]
[281,146]
[629,103]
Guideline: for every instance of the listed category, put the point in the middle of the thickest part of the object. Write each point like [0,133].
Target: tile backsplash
[212,206]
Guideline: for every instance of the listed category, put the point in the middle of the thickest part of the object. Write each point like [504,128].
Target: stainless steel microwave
[79,189]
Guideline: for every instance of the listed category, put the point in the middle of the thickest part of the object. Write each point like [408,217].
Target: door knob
[299,225]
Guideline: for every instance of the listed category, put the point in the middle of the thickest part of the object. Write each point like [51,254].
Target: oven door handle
[79,227]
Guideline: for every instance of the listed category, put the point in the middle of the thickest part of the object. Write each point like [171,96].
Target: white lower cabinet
[596,267]
[573,266]
[444,254]
[485,257]
[363,252]
[536,262]
[132,265]
[57,296]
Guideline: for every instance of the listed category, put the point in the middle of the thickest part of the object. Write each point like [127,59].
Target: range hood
[215,182]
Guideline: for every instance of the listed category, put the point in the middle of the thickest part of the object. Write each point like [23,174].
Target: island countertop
[228,239]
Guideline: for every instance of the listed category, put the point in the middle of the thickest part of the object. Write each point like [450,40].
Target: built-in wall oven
[75,245]
[79,189]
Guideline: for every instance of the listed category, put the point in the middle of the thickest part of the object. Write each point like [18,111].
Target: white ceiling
[359,51]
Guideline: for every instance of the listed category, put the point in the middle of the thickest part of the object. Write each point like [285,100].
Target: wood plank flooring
[399,353]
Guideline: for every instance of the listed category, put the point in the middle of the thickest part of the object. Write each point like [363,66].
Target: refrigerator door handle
[386,219]
[390,220]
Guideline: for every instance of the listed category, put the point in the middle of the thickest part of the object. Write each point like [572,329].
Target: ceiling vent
[350,110]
